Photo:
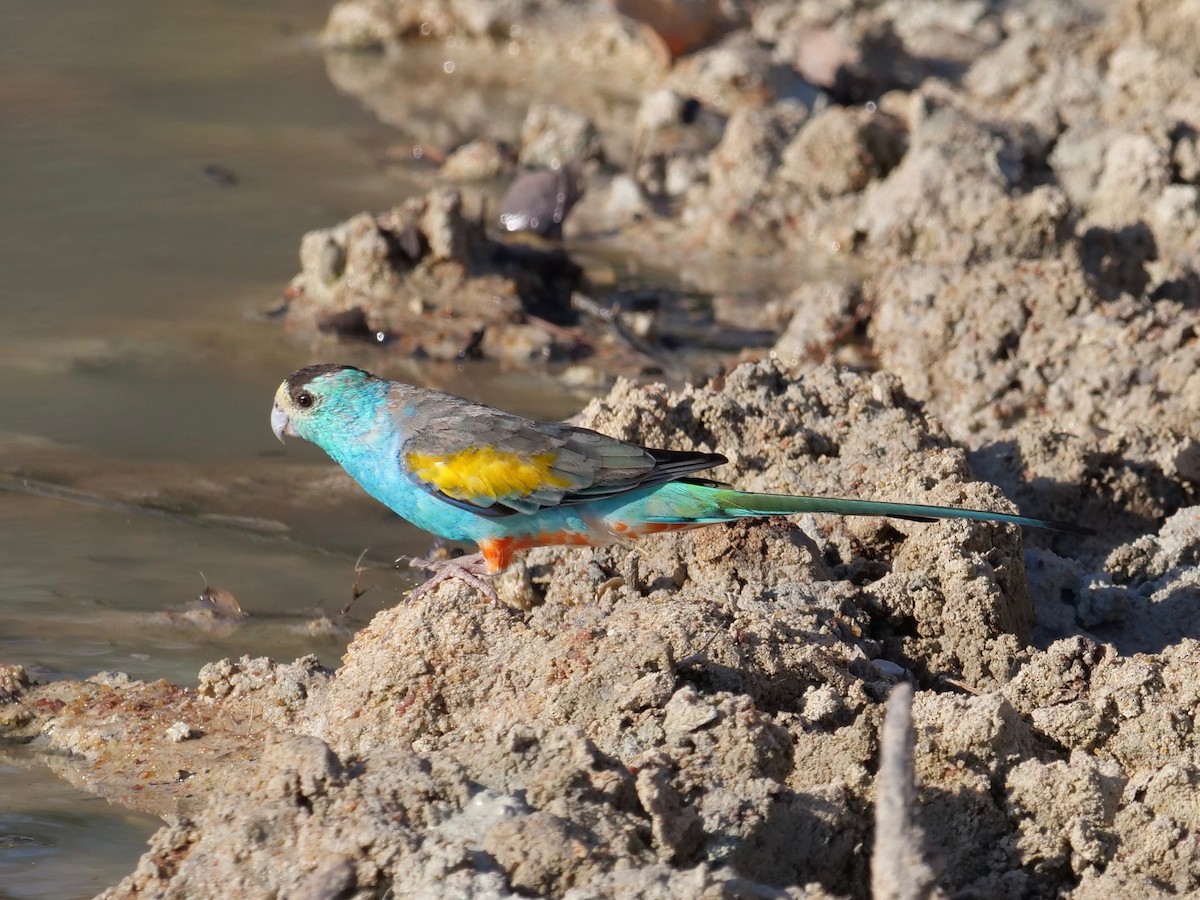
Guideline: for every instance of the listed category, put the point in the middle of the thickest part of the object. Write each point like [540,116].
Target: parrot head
[319,401]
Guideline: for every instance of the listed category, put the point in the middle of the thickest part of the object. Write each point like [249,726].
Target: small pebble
[889,669]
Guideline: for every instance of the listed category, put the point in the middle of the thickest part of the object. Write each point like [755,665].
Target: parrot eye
[304,399]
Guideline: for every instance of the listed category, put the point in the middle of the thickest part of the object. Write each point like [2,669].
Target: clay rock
[425,279]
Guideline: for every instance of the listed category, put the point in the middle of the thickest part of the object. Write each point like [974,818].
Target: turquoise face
[329,407]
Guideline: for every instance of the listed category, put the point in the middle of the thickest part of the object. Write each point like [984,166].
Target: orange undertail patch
[499,552]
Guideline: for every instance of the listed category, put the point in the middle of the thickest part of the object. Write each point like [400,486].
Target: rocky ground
[703,715]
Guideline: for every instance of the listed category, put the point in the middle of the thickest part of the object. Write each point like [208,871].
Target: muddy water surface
[57,841]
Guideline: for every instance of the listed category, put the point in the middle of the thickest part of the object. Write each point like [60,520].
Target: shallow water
[159,165]
[56,841]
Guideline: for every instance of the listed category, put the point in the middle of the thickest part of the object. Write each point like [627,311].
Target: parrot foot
[469,569]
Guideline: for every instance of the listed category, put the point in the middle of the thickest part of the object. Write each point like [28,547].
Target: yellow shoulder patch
[486,473]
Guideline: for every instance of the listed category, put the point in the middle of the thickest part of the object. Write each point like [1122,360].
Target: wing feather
[497,464]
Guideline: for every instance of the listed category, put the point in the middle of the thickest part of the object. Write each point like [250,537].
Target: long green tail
[725,503]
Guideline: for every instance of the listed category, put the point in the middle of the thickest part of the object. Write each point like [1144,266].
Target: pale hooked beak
[281,424]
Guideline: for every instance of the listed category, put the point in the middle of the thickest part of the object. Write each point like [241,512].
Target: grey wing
[496,463]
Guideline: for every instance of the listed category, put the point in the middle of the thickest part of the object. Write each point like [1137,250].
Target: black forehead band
[299,380]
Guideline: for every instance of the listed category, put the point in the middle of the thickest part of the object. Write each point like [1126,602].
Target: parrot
[469,472]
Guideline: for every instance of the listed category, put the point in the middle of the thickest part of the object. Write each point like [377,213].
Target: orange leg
[498,553]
